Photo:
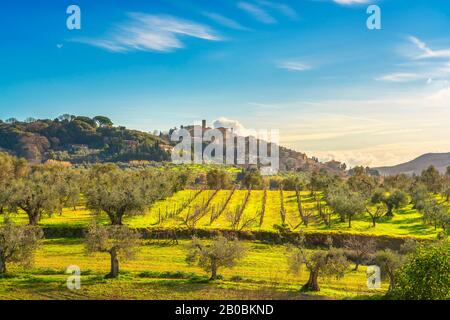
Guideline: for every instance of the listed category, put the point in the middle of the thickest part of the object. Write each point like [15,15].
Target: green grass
[406,221]
[160,272]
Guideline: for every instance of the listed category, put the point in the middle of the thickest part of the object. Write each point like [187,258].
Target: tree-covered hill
[78,139]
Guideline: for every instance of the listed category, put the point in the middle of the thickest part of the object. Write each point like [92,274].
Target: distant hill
[79,139]
[439,160]
[290,160]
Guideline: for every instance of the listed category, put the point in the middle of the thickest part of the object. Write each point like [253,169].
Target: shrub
[426,276]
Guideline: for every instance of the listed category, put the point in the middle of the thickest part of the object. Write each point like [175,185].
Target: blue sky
[312,69]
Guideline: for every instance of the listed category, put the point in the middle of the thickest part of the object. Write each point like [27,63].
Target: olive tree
[35,194]
[348,204]
[67,183]
[432,179]
[220,253]
[293,183]
[251,179]
[435,214]
[360,181]
[447,193]
[11,168]
[319,180]
[120,242]
[70,188]
[119,192]
[329,262]
[399,181]
[419,195]
[389,262]
[359,250]
[376,213]
[17,244]
[218,179]
[394,199]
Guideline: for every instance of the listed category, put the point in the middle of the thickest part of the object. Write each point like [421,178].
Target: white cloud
[294,65]
[431,66]
[257,12]
[374,132]
[145,32]
[401,77]
[441,97]
[426,51]
[227,22]
[350,2]
[237,127]
[281,8]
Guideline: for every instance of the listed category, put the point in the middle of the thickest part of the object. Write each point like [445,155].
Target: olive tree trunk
[391,283]
[33,217]
[312,284]
[213,270]
[116,219]
[390,212]
[2,264]
[114,272]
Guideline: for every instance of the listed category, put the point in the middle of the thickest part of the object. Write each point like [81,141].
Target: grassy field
[406,222]
[160,272]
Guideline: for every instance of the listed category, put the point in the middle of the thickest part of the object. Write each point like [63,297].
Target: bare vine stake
[263,208]
[222,208]
[299,205]
[282,209]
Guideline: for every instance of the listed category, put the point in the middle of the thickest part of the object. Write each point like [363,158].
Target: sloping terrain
[439,160]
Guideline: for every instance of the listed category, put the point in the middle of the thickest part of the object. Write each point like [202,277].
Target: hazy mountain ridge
[439,160]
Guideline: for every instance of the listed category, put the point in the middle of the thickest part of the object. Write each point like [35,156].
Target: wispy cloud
[293,65]
[426,51]
[146,32]
[224,21]
[257,12]
[401,77]
[280,8]
[350,2]
[425,64]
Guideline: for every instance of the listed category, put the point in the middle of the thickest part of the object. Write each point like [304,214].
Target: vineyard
[255,210]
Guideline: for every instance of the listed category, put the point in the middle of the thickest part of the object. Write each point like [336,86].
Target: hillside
[439,160]
[290,160]
[78,139]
